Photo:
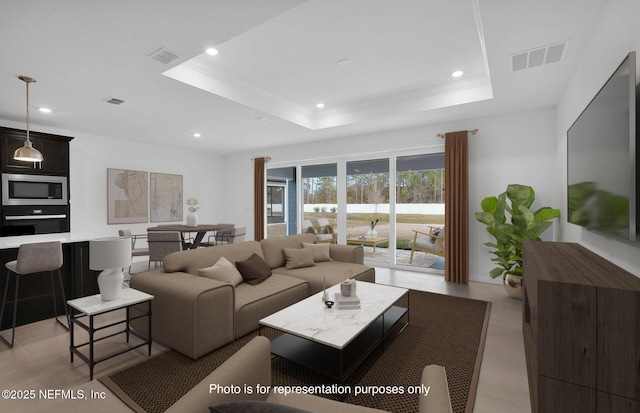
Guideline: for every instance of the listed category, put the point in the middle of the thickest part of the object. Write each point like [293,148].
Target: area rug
[443,330]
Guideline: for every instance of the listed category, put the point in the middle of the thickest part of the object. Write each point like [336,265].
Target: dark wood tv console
[581,327]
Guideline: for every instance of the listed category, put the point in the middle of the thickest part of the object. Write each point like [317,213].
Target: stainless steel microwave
[22,189]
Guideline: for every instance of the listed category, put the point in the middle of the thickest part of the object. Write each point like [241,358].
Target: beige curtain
[456,261]
[258,198]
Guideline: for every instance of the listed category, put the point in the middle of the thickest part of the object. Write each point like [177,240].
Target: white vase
[110,284]
[192,219]
[372,233]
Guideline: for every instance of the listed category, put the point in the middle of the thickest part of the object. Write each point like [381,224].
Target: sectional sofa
[194,314]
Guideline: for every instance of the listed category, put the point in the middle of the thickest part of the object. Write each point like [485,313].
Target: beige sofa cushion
[272,247]
[318,404]
[437,400]
[192,260]
[251,365]
[191,314]
[334,271]
[256,302]
[320,251]
[298,258]
[223,271]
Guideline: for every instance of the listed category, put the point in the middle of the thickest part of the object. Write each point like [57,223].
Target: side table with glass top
[137,305]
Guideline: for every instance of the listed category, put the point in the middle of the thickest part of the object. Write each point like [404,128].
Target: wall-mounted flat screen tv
[601,152]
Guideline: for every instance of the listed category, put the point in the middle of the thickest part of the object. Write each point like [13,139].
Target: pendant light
[27,152]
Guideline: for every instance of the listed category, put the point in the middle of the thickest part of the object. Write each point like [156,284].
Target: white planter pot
[192,219]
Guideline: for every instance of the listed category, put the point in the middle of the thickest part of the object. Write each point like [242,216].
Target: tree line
[425,186]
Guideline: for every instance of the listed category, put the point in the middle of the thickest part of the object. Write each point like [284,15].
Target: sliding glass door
[368,207]
[320,200]
[353,201]
[419,208]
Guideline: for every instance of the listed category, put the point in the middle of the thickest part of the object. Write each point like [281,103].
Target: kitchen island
[35,301]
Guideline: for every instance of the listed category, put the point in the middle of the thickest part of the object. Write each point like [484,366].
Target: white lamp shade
[108,253]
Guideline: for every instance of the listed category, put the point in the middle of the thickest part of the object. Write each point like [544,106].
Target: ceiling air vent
[115,101]
[539,56]
[264,119]
[164,56]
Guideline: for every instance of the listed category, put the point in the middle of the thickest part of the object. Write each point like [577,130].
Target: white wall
[91,155]
[617,33]
[512,148]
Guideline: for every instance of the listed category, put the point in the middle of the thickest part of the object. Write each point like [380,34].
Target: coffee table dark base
[340,363]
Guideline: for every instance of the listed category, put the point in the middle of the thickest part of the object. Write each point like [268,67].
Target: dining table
[200,231]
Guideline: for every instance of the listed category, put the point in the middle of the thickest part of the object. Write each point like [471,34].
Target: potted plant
[192,217]
[510,220]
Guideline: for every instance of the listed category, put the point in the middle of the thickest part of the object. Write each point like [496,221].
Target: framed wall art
[166,197]
[127,196]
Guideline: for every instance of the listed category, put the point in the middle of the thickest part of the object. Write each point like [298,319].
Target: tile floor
[40,358]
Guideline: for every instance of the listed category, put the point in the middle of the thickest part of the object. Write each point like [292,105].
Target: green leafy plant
[524,224]
[192,202]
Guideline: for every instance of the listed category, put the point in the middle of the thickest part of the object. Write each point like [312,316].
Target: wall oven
[32,190]
[31,220]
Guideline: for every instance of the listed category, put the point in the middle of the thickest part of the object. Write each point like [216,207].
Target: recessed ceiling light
[44,110]
[457,73]
[319,105]
[344,62]
[196,135]
[212,52]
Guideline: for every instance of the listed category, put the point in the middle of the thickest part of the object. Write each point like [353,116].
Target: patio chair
[323,233]
[326,230]
[431,242]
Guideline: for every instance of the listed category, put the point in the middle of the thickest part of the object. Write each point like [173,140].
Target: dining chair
[135,251]
[161,244]
[220,237]
[237,234]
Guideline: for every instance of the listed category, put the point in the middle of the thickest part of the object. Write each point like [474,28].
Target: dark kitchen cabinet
[54,148]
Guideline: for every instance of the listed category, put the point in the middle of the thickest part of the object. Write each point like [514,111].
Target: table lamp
[110,255]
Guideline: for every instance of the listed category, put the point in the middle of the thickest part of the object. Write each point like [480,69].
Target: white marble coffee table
[335,341]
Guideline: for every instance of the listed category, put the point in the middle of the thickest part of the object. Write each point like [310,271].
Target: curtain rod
[473,132]
[266,158]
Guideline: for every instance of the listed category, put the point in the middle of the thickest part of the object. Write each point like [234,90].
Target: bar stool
[34,258]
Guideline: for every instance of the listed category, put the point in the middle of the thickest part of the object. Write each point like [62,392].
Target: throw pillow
[253,407]
[436,232]
[298,258]
[223,270]
[254,270]
[320,251]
